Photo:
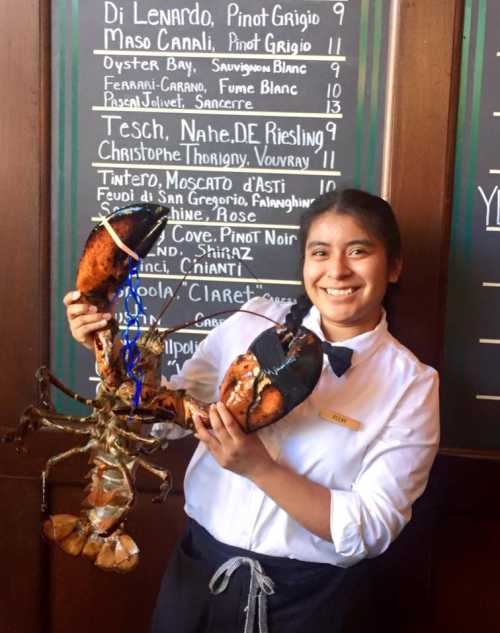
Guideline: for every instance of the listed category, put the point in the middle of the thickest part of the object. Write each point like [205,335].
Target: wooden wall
[441,574]
[426,95]
[24,178]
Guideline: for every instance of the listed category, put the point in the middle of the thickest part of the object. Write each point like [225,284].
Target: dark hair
[374,214]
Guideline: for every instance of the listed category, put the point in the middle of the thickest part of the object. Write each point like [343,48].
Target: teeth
[339,292]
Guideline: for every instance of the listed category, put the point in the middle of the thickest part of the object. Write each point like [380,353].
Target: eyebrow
[360,242]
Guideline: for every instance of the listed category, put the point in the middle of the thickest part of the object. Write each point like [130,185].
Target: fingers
[225,431]
[231,426]
[230,446]
[86,324]
[76,309]
[218,424]
[203,434]
[83,319]
[71,296]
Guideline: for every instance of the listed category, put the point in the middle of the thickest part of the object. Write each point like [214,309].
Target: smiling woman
[347,264]
[295,508]
[334,481]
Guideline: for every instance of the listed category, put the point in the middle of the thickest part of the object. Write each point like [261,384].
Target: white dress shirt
[374,474]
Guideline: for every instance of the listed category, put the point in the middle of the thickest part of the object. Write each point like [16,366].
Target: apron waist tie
[261,586]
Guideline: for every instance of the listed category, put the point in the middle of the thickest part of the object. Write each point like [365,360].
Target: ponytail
[297,312]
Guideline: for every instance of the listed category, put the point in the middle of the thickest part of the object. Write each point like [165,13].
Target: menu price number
[338,9]
[326,185]
[334,45]
[333,106]
[329,159]
[333,94]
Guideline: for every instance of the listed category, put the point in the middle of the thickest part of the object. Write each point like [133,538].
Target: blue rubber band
[134,310]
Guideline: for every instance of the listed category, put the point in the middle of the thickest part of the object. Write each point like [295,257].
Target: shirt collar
[363,345]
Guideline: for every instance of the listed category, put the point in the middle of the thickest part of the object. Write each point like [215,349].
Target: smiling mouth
[339,292]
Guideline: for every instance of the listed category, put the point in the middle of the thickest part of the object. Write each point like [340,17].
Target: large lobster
[278,372]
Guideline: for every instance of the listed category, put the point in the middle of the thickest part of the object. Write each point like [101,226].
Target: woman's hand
[83,319]
[232,448]
[304,500]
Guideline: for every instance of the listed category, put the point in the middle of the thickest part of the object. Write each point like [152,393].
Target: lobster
[278,372]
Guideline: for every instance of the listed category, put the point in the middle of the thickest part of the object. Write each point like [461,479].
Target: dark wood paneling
[422,161]
[23,592]
[24,191]
[111,602]
[65,593]
[465,553]
[467,574]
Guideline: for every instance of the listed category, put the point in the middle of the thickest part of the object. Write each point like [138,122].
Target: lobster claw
[148,221]
[104,265]
[279,371]
[296,372]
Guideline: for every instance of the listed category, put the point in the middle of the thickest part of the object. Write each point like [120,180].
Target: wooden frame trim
[25,190]
[45,177]
[425,108]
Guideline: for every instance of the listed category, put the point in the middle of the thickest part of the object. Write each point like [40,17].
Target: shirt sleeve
[199,376]
[202,374]
[366,519]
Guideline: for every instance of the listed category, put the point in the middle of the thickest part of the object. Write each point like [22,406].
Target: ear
[395,270]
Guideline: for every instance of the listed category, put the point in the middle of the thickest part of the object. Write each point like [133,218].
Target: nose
[338,267]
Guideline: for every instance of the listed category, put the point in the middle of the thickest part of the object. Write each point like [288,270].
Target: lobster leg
[130,435]
[45,379]
[26,424]
[78,450]
[141,414]
[59,421]
[144,415]
[177,406]
[32,418]
[163,474]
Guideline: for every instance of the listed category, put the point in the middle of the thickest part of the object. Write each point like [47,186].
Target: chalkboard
[234,114]
[471,369]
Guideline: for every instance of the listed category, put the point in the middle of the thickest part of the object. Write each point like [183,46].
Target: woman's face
[346,273]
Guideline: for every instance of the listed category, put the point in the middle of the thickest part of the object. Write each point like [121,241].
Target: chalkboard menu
[471,371]
[235,115]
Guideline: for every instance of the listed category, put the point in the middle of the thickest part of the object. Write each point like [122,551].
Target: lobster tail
[117,552]
[95,534]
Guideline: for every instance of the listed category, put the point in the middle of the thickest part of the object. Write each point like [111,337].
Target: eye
[358,251]
[318,252]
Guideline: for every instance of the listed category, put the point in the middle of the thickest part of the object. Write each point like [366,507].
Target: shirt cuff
[169,431]
[346,526]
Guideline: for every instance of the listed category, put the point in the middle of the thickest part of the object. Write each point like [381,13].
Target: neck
[336,332]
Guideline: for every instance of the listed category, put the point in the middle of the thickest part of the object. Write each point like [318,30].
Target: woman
[333,482]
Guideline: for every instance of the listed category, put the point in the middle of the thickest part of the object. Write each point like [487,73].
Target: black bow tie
[339,357]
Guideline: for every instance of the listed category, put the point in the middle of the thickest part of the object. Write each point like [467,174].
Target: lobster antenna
[155,325]
[176,328]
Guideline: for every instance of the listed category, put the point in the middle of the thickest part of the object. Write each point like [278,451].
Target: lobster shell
[279,371]
[104,265]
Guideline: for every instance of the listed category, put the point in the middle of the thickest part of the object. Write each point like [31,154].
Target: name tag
[338,418]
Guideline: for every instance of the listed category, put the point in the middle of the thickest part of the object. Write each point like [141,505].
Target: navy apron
[306,598]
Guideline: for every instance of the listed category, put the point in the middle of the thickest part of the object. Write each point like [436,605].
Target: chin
[340,315]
